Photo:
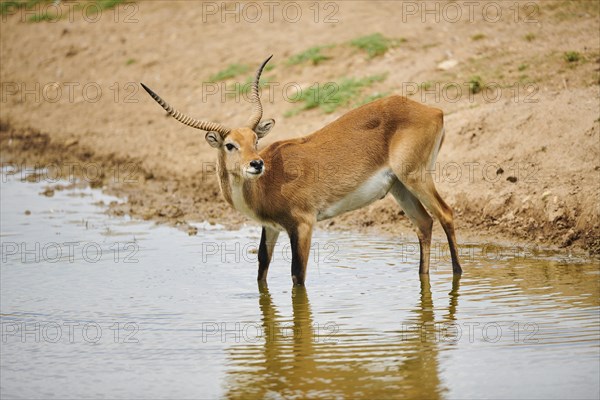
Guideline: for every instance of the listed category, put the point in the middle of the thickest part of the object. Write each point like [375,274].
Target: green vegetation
[44,16]
[108,4]
[572,56]
[522,67]
[566,9]
[475,84]
[332,95]
[530,37]
[375,44]
[130,61]
[313,55]
[478,36]
[231,71]
[426,85]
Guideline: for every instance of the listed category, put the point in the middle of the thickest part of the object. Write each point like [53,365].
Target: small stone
[546,194]
[512,179]
[27,212]
[447,64]
[499,171]
[48,192]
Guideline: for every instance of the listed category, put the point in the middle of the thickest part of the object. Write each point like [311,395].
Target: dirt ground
[521,158]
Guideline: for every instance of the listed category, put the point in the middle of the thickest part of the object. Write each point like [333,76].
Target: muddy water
[94,306]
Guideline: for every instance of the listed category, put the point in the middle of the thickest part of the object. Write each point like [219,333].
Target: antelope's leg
[424,190]
[300,238]
[420,218]
[268,239]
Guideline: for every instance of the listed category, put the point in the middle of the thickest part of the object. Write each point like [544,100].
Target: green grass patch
[375,44]
[522,67]
[45,17]
[108,4]
[479,36]
[426,85]
[333,95]
[475,84]
[101,5]
[530,37]
[130,61]
[568,9]
[231,71]
[313,55]
[572,56]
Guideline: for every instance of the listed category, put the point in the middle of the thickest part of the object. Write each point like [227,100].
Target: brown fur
[305,176]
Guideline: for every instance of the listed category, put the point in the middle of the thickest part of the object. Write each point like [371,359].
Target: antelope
[378,148]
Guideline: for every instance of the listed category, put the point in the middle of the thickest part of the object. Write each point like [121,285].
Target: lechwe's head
[237,147]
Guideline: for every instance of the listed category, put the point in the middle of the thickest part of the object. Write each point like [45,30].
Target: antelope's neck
[224,179]
[239,193]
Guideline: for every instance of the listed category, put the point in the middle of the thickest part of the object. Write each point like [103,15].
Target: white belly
[374,188]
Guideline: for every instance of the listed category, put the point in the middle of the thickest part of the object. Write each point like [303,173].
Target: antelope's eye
[230,147]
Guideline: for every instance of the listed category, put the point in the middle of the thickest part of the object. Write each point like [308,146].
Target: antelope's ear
[214,139]
[264,127]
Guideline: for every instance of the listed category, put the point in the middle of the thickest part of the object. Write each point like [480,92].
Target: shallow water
[119,308]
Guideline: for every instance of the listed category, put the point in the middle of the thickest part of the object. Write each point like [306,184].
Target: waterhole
[97,306]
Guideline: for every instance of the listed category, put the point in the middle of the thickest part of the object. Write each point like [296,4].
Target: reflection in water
[361,335]
[302,359]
